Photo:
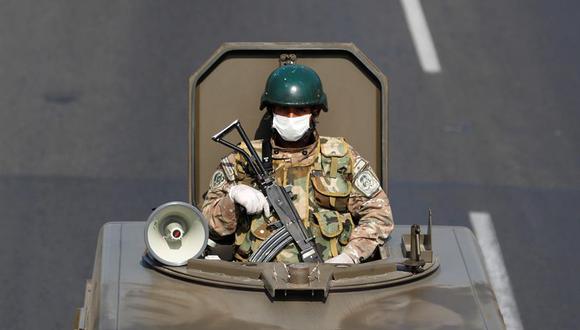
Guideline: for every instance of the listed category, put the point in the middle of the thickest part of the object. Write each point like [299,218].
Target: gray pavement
[93,128]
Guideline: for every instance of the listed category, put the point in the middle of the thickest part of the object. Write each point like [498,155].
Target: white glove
[251,199]
[342,258]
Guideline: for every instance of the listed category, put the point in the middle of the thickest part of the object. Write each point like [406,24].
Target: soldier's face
[292,123]
[292,112]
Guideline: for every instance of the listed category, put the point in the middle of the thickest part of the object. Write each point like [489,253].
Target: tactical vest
[321,185]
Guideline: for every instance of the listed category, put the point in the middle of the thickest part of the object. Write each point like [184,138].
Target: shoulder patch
[359,164]
[367,183]
[228,169]
[218,179]
[333,146]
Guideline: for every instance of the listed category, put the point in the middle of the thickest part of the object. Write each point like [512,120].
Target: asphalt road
[93,128]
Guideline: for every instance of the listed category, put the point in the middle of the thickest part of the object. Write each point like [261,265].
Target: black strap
[267,155]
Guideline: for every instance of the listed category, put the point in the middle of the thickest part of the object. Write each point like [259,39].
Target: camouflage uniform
[336,194]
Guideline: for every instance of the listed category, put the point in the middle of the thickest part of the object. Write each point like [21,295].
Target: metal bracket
[417,247]
[286,59]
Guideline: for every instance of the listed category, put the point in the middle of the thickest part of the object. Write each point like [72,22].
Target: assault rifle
[290,227]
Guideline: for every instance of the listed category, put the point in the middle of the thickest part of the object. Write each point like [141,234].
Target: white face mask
[291,129]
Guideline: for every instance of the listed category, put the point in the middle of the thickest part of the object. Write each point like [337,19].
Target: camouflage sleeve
[368,204]
[218,208]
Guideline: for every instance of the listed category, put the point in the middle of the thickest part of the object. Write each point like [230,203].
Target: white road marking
[493,259]
[421,36]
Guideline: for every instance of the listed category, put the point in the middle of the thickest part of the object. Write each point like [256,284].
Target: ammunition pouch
[331,193]
[331,175]
[333,229]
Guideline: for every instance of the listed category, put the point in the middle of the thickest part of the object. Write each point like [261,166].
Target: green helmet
[294,85]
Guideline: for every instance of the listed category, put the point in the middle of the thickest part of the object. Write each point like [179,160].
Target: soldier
[336,193]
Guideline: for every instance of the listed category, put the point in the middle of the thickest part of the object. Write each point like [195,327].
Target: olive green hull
[125,294]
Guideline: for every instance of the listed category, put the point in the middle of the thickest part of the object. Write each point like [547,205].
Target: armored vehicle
[160,274]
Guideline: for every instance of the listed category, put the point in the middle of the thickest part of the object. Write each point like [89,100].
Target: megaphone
[176,232]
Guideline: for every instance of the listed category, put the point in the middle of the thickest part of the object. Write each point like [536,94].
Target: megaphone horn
[176,232]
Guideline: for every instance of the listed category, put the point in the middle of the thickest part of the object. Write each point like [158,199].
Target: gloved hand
[251,199]
[342,258]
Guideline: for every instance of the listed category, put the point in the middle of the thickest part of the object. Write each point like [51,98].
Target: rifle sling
[267,155]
